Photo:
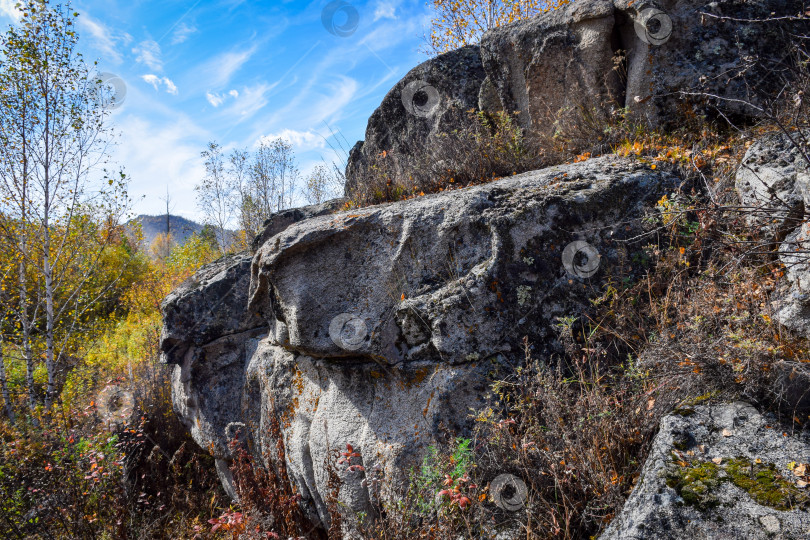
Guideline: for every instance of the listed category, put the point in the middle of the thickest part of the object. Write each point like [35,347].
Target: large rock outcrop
[660,60]
[432,99]
[773,182]
[379,327]
[719,472]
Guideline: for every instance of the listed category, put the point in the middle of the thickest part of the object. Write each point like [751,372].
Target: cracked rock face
[659,60]
[718,472]
[380,327]
[773,183]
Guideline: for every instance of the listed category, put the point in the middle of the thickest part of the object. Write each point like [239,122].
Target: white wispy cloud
[182,33]
[251,100]
[385,10]
[322,106]
[103,38]
[171,88]
[388,34]
[9,9]
[302,140]
[148,53]
[214,99]
[218,71]
[157,82]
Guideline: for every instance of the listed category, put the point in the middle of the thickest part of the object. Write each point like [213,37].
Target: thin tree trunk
[28,353]
[7,406]
[25,322]
[47,271]
[50,363]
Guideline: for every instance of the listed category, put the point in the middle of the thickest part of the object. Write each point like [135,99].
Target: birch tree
[273,174]
[250,216]
[54,133]
[215,195]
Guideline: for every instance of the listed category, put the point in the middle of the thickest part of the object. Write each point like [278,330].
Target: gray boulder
[379,327]
[792,299]
[547,67]
[719,472]
[772,182]
[281,220]
[431,100]
[661,61]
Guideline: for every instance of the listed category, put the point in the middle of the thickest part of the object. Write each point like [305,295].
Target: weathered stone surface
[792,300]
[735,50]
[379,326]
[718,490]
[194,314]
[596,56]
[438,278]
[432,99]
[281,220]
[556,62]
[772,182]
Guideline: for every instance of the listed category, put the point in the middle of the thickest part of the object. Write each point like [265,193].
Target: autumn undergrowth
[696,328]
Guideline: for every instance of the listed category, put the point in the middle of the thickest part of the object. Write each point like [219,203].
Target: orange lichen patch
[419,375]
[427,405]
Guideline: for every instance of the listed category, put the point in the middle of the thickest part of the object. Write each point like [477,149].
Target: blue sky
[235,71]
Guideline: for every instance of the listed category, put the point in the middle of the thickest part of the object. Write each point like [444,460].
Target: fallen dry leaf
[717,460]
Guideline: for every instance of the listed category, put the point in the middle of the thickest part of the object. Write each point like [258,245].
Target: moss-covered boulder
[724,471]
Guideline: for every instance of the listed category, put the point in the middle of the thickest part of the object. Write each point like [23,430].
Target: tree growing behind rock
[459,23]
[246,188]
[322,184]
[215,195]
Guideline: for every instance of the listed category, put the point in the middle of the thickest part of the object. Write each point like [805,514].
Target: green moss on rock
[764,484]
[684,411]
[696,483]
[698,480]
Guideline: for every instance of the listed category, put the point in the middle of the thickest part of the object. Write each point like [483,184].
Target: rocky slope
[382,327]
[591,56]
[379,327]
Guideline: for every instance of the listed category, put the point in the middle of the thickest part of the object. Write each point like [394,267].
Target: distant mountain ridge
[180,227]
